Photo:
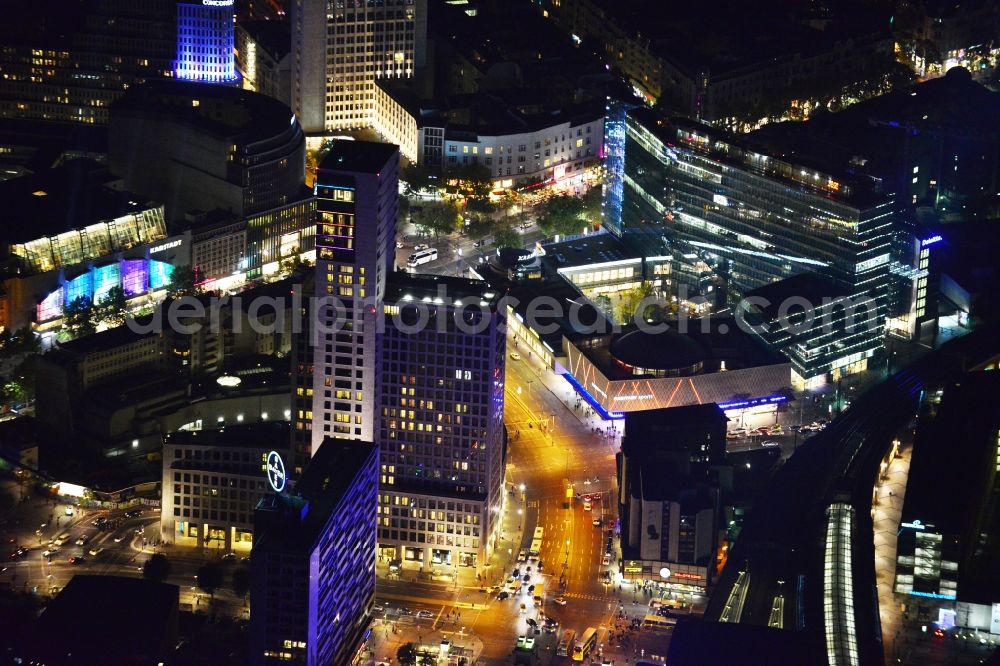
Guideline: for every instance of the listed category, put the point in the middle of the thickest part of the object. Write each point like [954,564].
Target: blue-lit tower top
[205,41]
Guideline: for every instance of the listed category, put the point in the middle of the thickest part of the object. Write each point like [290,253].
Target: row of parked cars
[775,430]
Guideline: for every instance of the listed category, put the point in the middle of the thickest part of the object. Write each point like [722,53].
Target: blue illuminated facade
[313,561]
[205,41]
[135,276]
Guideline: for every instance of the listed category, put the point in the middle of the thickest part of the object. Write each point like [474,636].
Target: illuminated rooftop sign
[276,471]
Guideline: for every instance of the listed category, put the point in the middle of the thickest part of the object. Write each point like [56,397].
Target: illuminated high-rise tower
[205,41]
[357,185]
[339,49]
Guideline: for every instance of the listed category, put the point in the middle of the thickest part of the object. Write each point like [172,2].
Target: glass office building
[707,199]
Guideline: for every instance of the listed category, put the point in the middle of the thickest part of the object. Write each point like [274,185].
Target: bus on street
[566,643]
[585,645]
[422,257]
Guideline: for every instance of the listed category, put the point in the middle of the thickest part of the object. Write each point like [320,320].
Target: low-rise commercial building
[212,482]
[517,147]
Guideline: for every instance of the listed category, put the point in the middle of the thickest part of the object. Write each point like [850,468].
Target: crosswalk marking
[589,597]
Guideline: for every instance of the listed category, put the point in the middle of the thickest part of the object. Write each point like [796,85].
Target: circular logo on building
[276,471]
[664,573]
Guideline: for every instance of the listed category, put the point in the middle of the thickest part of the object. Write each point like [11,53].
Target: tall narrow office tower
[440,425]
[356,192]
[313,561]
[338,53]
[205,41]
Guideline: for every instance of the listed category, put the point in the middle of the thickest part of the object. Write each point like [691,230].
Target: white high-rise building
[356,194]
[339,49]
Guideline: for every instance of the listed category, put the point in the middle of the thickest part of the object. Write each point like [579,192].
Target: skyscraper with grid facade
[339,49]
[440,424]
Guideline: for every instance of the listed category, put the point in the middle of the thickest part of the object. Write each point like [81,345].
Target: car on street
[560,601]
[69,511]
[503,596]
[120,537]
[424,615]
[541,564]
[76,560]
[52,550]
[606,561]
[421,246]
[82,540]
[516,573]
[522,609]
[514,356]
[229,557]
[771,444]
[531,622]
[95,552]
[597,522]
[775,430]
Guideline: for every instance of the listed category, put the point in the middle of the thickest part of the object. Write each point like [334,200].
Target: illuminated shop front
[136,277]
[679,578]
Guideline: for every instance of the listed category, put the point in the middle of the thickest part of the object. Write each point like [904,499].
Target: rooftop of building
[39,145]
[717,343]
[962,469]
[812,172]
[294,520]
[650,423]
[106,340]
[238,116]
[699,642]
[493,113]
[957,466]
[552,286]
[70,196]
[403,287]
[662,481]
[272,36]
[267,435]
[18,433]
[872,136]
[596,249]
[137,623]
[358,156]
[968,253]
[808,286]
[730,35]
